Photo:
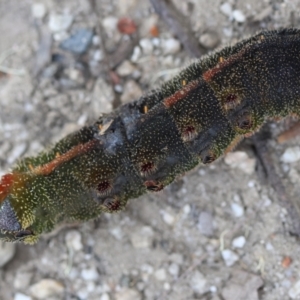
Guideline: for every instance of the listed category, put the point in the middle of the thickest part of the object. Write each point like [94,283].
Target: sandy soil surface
[217,233]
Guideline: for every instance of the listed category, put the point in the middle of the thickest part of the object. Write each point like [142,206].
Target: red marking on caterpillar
[188,133]
[103,187]
[60,159]
[209,74]
[147,168]
[181,94]
[153,186]
[6,183]
[112,204]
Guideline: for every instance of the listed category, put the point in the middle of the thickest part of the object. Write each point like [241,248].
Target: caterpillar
[194,118]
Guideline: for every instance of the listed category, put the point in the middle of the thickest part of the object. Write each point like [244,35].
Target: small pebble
[168,218]
[160,274]
[7,252]
[125,68]
[78,42]
[38,10]
[98,55]
[142,237]
[16,152]
[128,294]
[229,257]
[96,40]
[240,160]
[239,16]
[132,91]
[104,297]
[226,9]
[147,46]
[22,280]
[117,233]
[291,154]
[110,24]
[136,54]
[19,296]
[174,270]
[59,22]
[237,210]
[73,240]
[205,223]
[239,242]
[209,40]
[90,274]
[199,283]
[46,288]
[170,46]
[103,96]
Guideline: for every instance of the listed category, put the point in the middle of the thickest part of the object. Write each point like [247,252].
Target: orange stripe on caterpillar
[181,94]
[209,74]
[62,158]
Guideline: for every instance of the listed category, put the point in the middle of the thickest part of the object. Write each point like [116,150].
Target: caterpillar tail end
[11,229]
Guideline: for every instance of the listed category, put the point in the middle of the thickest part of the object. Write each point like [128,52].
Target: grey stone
[7,252]
[78,42]
[46,288]
[142,237]
[243,285]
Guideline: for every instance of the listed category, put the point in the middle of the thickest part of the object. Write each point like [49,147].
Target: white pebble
[186,209]
[16,152]
[147,46]
[126,68]
[229,257]
[59,22]
[38,10]
[117,233]
[73,240]
[239,242]
[96,40]
[131,91]
[239,16]
[240,160]
[104,297]
[294,292]
[226,9]
[46,288]
[199,283]
[98,55]
[110,24]
[269,247]
[7,252]
[168,218]
[160,275]
[174,270]
[237,210]
[170,46]
[291,155]
[142,238]
[128,294]
[136,54]
[19,296]
[90,274]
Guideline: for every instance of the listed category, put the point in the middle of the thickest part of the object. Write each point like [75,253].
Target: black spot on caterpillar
[142,146]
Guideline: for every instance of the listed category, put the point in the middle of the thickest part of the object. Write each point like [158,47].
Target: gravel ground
[217,233]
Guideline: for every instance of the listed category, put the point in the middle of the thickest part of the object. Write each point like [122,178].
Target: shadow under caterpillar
[142,146]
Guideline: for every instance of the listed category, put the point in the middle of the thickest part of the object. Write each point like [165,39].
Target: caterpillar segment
[142,146]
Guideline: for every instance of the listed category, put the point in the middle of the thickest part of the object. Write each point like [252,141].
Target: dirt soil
[217,233]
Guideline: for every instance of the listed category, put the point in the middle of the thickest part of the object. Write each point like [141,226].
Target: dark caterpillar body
[144,145]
